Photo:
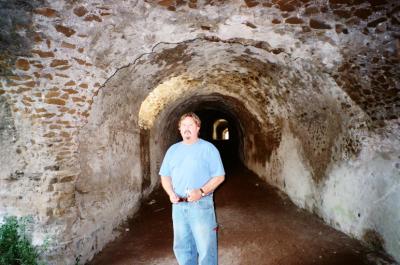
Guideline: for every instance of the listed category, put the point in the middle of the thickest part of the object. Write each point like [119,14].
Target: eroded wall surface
[90,90]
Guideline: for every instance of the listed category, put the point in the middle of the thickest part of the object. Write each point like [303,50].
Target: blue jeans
[195,232]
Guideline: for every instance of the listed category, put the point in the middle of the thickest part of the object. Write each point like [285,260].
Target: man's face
[189,129]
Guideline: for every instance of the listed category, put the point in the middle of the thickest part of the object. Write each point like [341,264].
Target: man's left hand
[194,195]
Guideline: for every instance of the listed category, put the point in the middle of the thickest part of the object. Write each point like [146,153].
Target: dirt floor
[258,225]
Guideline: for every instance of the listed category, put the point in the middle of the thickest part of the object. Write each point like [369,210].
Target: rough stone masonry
[89,92]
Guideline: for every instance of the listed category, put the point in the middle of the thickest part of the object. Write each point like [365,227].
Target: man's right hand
[173,198]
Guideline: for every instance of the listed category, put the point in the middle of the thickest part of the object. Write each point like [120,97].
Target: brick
[77,99]
[40,110]
[81,62]
[64,67]
[64,153]
[28,99]
[251,3]
[2,91]
[26,103]
[62,75]
[50,134]
[67,179]
[83,85]
[166,3]
[15,77]
[54,126]
[63,122]
[23,89]
[47,76]
[55,101]
[294,20]
[80,11]
[70,83]
[45,11]
[12,83]
[22,64]
[38,65]
[57,62]
[64,109]
[68,45]
[93,17]
[48,115]
[65,134]
[52,94]
[65,30]
[70,91]
[44,54]
[37,38]
[65,96]
[30,84]
[316,24]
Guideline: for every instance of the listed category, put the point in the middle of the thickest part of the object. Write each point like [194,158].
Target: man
[191,170]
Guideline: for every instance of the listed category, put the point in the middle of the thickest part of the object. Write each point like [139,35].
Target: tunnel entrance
[229,148]
[220,130]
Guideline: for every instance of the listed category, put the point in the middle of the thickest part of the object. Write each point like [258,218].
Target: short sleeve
[215,163]
[165,169]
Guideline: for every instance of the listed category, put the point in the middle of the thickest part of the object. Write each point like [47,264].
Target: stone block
[44,54]
[67,31]
[55,101]
[22,64]
[45,11]
[80,11]
[58,62]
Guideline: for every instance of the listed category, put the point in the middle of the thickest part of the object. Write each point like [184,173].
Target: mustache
[187,131]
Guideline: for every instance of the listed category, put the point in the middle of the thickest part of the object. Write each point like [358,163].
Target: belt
[183,199]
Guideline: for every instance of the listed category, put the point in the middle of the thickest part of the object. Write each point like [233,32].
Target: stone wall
[89,93]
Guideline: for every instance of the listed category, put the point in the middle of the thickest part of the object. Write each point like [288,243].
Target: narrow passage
[258,225]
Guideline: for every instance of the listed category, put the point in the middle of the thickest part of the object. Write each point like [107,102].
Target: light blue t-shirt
[191,166]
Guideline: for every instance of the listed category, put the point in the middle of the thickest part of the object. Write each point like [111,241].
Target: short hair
[190,115]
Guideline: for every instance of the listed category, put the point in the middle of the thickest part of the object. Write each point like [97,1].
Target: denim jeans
[195,232]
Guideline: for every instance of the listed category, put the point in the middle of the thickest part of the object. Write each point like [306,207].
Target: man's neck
[190,141]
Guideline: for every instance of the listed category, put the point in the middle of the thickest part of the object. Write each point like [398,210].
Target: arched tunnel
[289,122]
[301,98]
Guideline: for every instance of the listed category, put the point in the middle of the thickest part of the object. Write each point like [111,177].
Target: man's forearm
[212,184]
[166,183]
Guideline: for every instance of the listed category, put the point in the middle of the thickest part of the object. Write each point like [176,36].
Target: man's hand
[173,198]
[194,195]
[166,183]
